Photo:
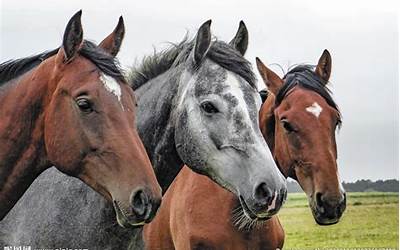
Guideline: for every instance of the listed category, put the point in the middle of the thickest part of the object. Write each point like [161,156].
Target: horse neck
[22,151]
[156,125]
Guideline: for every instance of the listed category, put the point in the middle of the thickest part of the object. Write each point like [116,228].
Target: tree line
[391,185]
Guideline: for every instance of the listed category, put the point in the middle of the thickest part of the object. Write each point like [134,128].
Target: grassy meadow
[371,220]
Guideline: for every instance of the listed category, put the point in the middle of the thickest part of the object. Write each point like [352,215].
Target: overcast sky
[362,37]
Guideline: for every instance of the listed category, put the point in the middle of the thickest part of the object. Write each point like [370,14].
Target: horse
[298,120]
[72,108]
[197,105]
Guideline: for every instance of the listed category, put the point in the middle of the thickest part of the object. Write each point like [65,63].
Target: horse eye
[84,105]
[209,108]
[287,126]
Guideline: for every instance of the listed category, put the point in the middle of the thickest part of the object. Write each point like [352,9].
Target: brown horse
[73,109]
[298,120]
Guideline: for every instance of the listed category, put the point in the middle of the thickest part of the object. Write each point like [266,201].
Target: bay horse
[298,120]
[197,105]
[72,108]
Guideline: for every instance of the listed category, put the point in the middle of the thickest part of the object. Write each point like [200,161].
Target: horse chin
[246,210]
[324,221]
[123,220]
[245,219]
[263,217]
[251,215]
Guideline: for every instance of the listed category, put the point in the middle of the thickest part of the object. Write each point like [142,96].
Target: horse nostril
[318,198]
[263,194]
[140,203]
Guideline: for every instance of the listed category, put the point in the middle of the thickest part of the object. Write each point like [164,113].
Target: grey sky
[363,41]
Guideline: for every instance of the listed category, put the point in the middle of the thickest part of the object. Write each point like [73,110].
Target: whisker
[242,222]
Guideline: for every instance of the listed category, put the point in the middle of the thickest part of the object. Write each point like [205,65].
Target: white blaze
[234,84]
[340,183]
[314,109]
[112,86]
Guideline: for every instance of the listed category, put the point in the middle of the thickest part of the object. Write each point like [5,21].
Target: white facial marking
[234,84]
[273,203]
[112,86]
[340,183]
[314,109]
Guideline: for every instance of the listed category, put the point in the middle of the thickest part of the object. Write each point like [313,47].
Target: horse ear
[241,39]
[324,66]
[112,43]
[271,80]
[203,42]
[73,37]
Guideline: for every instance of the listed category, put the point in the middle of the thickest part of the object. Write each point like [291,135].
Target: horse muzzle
[141,210]
[328,211]
[266,203]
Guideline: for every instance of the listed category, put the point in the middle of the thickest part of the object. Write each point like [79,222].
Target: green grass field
[370,220]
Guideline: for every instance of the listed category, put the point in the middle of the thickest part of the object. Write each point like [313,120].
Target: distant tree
[391,185]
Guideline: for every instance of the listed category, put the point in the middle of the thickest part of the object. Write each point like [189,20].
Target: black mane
[14,68]
[304,76]
[105,62]
[220,52]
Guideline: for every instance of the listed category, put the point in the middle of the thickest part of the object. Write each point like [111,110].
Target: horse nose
[140,203]
[144,206]
[263,194]
[331,207]
[271,199]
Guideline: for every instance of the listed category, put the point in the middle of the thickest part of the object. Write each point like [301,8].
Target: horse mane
[89,50]
[219,52]
[14,68]
[304,76]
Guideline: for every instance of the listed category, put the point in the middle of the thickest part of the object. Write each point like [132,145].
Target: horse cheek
[61,138]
